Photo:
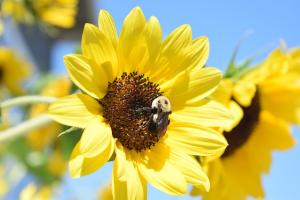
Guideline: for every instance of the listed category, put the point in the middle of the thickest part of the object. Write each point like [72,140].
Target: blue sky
[224,22]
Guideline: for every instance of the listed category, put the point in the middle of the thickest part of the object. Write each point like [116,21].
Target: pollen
[242,132]
[126,107]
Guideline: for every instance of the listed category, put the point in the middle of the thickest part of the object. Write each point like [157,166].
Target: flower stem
[26,100]
[24,127]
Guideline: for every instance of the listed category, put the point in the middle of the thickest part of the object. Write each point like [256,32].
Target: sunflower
[269,98]
[13,71]
[129,83]
[60,13]
[33,192]
[16,9]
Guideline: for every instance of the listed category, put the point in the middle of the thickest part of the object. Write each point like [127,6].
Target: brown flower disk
[241,133]
[123,108]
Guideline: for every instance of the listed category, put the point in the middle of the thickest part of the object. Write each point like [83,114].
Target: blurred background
[224,22]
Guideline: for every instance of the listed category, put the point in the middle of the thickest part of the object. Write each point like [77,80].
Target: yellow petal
[191,59]
[75,110]
[224,91]
[214,170]
[130,37]
[239,177]
[120,161]
[94,149]
[89,77]
[107,26]
[153,36]
[128,172]
[192,86]
[260,142]
[281,97]
[198,52]
[190,168]
[135,187]
[106,192]
[81,166]
[205,113]
[156,169]
[96,138]
[237,113]
[277,132]
[276,64]
[138,58]
[243,92]
[97,47]
[119,188]
[178,39]
[172,53]
[153,40]
[193,139]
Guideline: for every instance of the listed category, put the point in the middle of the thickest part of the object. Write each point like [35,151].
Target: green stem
[24,127]
[26,100]
[69,130]
[232,65]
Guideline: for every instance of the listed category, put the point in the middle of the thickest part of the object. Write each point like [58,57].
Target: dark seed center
[127,108]
[242,132]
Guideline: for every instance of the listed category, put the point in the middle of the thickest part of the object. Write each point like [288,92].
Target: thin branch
[23,100]
[24,127]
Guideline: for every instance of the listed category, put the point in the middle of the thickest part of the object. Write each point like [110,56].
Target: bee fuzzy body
[160,109]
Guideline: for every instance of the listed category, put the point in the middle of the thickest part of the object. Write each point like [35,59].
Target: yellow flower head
[13,71]
[143,99]
[33,192]
[266,101]
[40,138]
[60,13]
[17,10]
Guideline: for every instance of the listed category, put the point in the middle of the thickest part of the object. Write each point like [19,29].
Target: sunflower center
[127,108]
[242,132]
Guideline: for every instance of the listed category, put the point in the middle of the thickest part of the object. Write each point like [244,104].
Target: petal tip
[137,9]
[187,27]
[103,12]
[68,57]
[87,26]
[75,167]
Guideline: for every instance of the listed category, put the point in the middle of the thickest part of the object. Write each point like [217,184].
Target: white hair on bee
[164,103]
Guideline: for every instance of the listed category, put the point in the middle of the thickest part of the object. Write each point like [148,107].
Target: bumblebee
[160,111]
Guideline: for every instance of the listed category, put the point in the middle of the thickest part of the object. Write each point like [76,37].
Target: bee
[159,119]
